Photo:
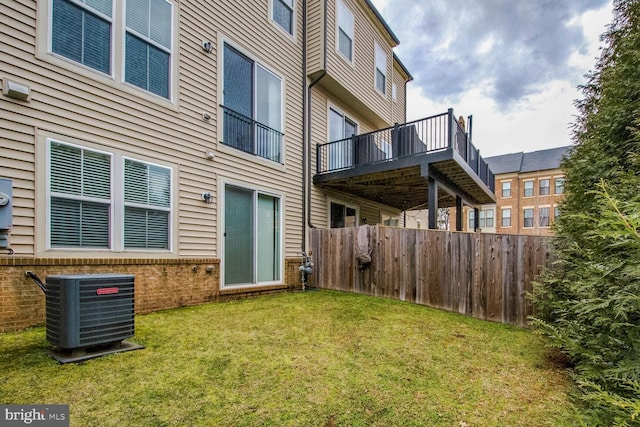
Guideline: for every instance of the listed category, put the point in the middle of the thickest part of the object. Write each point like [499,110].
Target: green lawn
[318,358]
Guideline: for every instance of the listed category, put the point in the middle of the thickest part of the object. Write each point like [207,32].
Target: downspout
[306,154]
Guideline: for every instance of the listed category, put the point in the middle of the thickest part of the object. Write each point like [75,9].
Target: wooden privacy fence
[485,276]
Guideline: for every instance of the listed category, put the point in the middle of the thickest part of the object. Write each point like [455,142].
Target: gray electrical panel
[6,210]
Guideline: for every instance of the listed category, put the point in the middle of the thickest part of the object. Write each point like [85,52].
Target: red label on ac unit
[107,291]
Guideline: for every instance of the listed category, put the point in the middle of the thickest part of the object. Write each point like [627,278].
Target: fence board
[485,276]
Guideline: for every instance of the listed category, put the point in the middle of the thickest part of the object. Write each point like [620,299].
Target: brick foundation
[159,284]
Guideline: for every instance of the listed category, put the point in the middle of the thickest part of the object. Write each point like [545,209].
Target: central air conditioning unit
[88,311]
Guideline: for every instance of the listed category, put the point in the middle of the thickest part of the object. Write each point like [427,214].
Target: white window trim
[524,187]
[394,91]
[346,205]
[222,40]
[549,217]
[563,185]
[351,61]
[550,188]
[378,50]
[117,202]
[114,80]
[331,106]
[533,217]
[510,188]
[221,218]
[502,209]
[292,35]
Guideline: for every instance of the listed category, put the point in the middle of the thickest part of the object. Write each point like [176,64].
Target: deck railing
[431,134]
[244,133]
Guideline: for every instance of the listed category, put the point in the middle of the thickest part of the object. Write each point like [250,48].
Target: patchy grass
[300,359]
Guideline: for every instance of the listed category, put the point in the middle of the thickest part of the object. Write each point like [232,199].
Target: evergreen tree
[590,300]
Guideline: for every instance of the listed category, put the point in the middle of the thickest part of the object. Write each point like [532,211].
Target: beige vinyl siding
[315,36]
[78,105]
[399,105]
[321,102]
[16,143]
[358,78]
[245,25]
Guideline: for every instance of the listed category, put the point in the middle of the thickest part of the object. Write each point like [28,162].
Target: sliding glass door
[252,237]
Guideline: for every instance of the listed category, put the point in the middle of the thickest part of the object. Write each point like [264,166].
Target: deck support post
[433,203]
[458,213]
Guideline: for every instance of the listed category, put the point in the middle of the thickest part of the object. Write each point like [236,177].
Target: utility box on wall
[6,210]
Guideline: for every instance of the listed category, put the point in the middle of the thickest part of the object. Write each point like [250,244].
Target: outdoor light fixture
[207,46]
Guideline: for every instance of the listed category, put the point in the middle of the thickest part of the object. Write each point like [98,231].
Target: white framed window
[394,91]
[380,80]
[544,186]
[148,41]
[528,188]
[506,217]
[342,215]
[344,31]
[282,14]
[105,201]
[558,185]
[506,188]
[543,216]
[252,236]
[252,106]
[341,129]
[528,217]
[84,32]
[556,212]
[472,219]
[489,215]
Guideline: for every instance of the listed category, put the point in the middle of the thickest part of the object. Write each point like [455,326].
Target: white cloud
[518,81]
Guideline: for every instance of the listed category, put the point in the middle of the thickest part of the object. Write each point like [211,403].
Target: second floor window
[282,13]
[506,188]
[528,189]
[528,218]
[148,45]
[545,187]
[559,186]
[341,129]
[543,214]
[83,31]
[345,31]
[381,70]
[252,106]
[506,217]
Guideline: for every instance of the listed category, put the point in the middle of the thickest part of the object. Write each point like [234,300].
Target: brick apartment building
[529,187]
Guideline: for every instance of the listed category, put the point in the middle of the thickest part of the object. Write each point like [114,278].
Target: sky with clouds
[513,64]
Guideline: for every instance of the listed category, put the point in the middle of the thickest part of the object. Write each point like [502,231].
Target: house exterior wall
[77,105]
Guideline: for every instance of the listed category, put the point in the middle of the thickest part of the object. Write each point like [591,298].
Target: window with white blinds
[147,197]
[91,206]
[80,197]
[83,31]
[148,45]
